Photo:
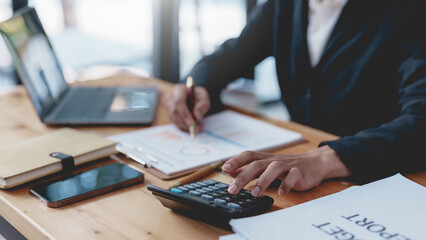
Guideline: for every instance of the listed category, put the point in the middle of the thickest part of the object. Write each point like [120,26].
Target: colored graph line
[194,151]
[224,139]
[166,135]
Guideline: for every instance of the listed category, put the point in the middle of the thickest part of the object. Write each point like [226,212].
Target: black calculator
[210,202]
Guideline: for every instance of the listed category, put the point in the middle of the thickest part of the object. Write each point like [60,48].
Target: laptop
[55,101]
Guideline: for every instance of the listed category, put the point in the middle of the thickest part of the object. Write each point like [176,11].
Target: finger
[185,114]
[180,124]
[235,173]
[200,127]
[200,110]
[202,103]
[242,159]
[180,92]
[289,181]
[174,116]
[171,105]
[274,170]
[173,101]
[246,175]
[179,104]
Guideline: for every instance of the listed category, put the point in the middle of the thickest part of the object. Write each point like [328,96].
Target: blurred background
[149,38]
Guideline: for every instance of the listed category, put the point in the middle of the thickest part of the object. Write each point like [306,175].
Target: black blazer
[369,86]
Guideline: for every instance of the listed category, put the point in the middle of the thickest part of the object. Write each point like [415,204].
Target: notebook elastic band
[66,160]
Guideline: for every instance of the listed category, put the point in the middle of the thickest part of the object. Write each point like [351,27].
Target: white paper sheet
[393,208]
[226,134]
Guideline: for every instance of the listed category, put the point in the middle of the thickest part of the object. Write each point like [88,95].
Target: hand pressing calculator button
[210,201]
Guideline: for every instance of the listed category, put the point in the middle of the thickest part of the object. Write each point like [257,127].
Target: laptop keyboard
[87,104]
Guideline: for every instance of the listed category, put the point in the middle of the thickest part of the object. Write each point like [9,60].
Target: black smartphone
[86,184]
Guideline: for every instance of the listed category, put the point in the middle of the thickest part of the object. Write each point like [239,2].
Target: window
[7,78]
[99,32]
[204,25]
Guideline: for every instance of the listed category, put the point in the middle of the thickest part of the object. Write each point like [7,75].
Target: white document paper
[226,134]
[393,208]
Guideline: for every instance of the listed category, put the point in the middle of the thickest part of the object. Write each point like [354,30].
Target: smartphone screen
[86,184]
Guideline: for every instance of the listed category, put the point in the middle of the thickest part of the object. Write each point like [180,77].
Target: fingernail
[281,192]
[226,167]
[233,188]
[255,192]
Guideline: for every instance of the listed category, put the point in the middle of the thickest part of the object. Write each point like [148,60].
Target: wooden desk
[130,213]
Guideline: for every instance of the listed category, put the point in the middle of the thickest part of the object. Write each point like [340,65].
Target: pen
[198,174]
[190,85]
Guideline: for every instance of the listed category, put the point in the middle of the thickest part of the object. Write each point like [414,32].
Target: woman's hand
[178,108]
[296,171]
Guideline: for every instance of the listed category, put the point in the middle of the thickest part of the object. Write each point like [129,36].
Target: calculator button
[189,187]
[215,194]
[210,182]
[248,192]
[221,185]
[202,184]
[228,199]
[207,197]
[183,189]
[207,189]
[234,206]
[223,192]
[175,190]
[214,188]
[201,191]
[195,193]
[219,201]
[242,194]
[195,185]
[245,195]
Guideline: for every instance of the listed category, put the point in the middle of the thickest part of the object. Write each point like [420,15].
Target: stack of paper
[393,208]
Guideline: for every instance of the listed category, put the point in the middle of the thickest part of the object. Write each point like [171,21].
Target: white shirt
[323,15]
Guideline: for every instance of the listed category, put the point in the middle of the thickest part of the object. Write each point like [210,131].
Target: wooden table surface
[133,212]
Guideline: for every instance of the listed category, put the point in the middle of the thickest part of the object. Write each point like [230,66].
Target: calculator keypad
[210,201]
[216,193]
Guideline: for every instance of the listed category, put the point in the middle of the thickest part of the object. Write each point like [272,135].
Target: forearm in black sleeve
[399,145]
[236,57]
[393,147]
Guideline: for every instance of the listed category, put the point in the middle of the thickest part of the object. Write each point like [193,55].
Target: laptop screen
[34,58]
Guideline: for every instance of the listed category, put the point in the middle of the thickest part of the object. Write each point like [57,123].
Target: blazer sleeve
[237,57]
[399,145]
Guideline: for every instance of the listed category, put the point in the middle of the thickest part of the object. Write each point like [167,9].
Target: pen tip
[192,130]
